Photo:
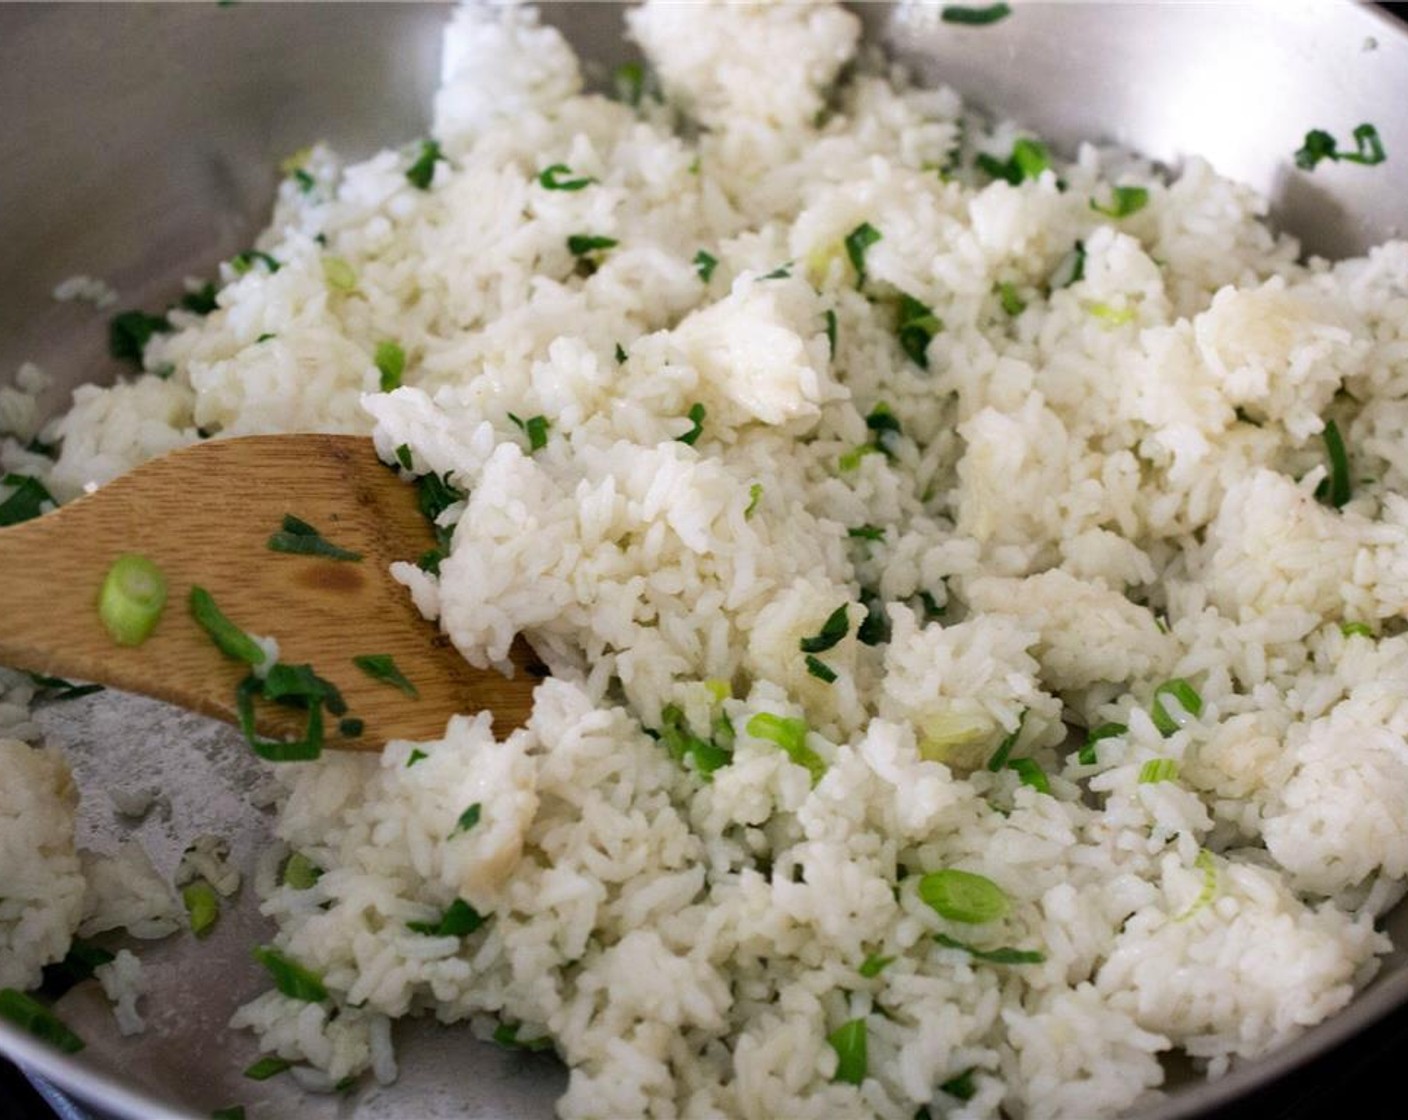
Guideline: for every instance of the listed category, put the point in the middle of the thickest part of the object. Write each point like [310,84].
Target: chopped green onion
[390,362]
[551,179]
[874,964]
[1004,748]
[129,333]
[791,736]
[80,962]
[351,728]
[917,327]
[1012,303]
[1158,770]
[992,956]
[291,978]
[305,181]
[830,317]
[696,416]
[422,172]
[235,1111]
[1070,269]
[299,538]
[932,610]
[460,919]
[857,242]
[1112,316]
[1087,756]
[1334,490]
[1320,145]
[1187,698]
[1353,629]
[961,1086]
[1030,773]
[962,896]
[202,907]
[298,687]
[874,630]
[974,17]
[416,755]
[704,264]
[1208,866]
[132,598]
[851,459]
[26,501]
[580,244]
[535,428]
[243,262]
[620,355]
[628,83]
[381,667]
[1124,201]
[57,689]
[300,872]
[683,744]
[309,747]
[506,1035]
[755,494]
[199,301]
[38,1020]
[866,533]
[468,819]
[820,669]
[849,1042]
[339,274]
[836,626]
[1028,160]
[231,640]
[781,272]
[267,1067]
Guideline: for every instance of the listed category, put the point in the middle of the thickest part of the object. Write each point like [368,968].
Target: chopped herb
[791,736]
[301,539]
[422,172]
[243,262]
[683,744]
[974,17]
[57,689]
[1207,864]
[1124,201]
[506,1035]
[874,630]
[1158,770]
[1028,160]
[1070,269]
[1004,748]
[535,428]
[866,533]
[131,600]
[820,669]
[628,83]
[857,242]
[200,301]
[267,1067]
[1186,697]
[1353,629]
[850,460]
[351,728]
[551,179]
[830,317]
[883,421]
[265,337]
[781,272]
[580,244]
[27,499]
[390,362]
[962,896]
[1011,302]
[1320,145]
[1112,316]
[298,686]
[932,609]
[80,962]
[468,819]
[300,872]
[339,275]
[129,333]
[704,264]
[381,667]
[235,1111]
[1335,489]
[873,965]
[1030,773]
[620,355]
[403,456]
[429,561]
[416,755]
[233,641]
[696,416]
[202,907]
[755,494]
[835,628]
[460,919]
[1087,756]
[916,328]
[961,1086]
[435,495]
[291,978]
[305,749]
[992,956]
[305,181]
[849,1042]
[38,1020]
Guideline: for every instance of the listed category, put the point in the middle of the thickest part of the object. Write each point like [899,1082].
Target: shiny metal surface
[139,144]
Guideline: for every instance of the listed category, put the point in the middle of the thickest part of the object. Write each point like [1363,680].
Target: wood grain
[204,515]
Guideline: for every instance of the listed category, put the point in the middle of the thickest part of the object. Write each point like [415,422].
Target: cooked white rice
[1107,488]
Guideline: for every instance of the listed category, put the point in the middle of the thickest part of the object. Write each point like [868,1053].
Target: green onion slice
[791,736]
[232,641]
[1207,864]
[1070,269]
[131,600]
[390,362]
[1186,697]
[1004,748]
[580,244]
[1158,770]
[300,872]
[1319,145]
[1003,955]
[873,965]
[506,1035]
[1124,201]
[202,907]
[830,317]
[974,17]
[381,667]
[704,264]
[1087,756]
[820,669]
[1335,489]
[460,919]
[706,755]
[468,819]
[552,179]
[27,499]
[1355,629]
[535,428]
[962,896]
[129,333]
[917,327]
[836,626]
[857,242]
[755,494]
[267,1067]
[38,1020]
[299,538]
[1030,773]
[422,172]
[849,1042]
[291,978]
[961,1086]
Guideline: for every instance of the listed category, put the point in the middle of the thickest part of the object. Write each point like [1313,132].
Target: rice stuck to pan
[972,584]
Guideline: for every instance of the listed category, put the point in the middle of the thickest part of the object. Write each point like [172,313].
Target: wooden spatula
[204,516]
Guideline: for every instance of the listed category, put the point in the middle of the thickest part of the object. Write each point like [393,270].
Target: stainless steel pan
[139,144]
